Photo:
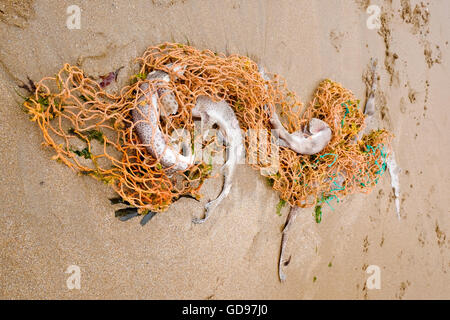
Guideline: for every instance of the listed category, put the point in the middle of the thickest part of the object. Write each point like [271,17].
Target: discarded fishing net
[92,131]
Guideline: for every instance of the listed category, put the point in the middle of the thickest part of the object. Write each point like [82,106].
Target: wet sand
[51,218]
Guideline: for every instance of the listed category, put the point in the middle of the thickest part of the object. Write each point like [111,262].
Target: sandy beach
[51,218]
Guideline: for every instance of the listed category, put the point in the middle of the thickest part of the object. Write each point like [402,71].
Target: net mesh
[92,131]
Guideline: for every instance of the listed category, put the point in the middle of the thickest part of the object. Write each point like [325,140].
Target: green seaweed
[85,153]
[96,135]
[139,76]
[89,135]
[318,213]
[96,174]
[280,206]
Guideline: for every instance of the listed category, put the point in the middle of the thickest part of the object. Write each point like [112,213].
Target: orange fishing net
[92,131]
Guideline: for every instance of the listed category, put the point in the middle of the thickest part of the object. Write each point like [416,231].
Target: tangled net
[92,132]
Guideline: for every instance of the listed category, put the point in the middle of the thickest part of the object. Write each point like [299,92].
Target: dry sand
[51,218]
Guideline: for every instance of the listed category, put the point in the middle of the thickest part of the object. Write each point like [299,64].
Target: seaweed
[89,134]
[280,206]
[85,153]
[139,76]
[109,78]
[96,135]
[318,213]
